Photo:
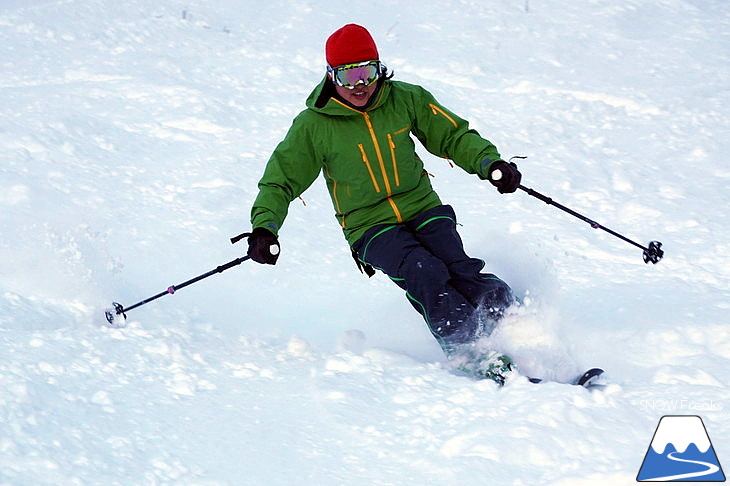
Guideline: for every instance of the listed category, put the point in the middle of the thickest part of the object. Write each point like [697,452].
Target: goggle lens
[350,75]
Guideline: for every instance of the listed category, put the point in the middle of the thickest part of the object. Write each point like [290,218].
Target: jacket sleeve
[292,168]
[445,134]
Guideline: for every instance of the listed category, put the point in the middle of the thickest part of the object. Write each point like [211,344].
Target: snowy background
[132,135]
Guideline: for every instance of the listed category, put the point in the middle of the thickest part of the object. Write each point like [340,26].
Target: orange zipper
[378,153]
[398,216]
[334,195]
[436,111]
[365,115]
[392,156]
[370,169]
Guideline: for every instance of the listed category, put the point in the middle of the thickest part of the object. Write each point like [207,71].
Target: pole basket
[654,253]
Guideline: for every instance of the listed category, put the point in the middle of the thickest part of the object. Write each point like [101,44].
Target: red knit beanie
[351,43]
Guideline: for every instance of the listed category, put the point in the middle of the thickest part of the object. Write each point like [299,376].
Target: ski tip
[587,378]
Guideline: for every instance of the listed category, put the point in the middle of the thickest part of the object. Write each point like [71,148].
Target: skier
[357,130]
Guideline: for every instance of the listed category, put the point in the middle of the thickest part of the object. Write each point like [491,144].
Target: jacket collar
[335,107]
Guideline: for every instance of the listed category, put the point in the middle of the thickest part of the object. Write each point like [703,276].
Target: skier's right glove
[507,179]
[263,247]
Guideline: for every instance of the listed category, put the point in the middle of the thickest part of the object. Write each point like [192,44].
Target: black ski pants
[426,258]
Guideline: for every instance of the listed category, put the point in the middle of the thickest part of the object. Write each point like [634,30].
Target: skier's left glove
[504,176]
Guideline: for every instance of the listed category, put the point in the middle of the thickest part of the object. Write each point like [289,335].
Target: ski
[497,367]
[586,380]
[589,378]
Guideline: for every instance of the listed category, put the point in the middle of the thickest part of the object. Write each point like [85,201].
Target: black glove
[263,247]
[507,179]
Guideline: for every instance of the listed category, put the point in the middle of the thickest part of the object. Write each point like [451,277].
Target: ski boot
[490,366]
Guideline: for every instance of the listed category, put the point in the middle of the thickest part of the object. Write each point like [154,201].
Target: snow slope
[132,135]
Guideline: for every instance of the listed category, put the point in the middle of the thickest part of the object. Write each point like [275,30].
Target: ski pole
[112,315]
[652,254]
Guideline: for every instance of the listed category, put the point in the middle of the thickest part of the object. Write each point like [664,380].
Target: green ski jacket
[368,158]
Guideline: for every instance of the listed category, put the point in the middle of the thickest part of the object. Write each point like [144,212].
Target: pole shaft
[173,288]
[549,201]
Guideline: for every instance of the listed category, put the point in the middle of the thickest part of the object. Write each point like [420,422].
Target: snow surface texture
[132,135]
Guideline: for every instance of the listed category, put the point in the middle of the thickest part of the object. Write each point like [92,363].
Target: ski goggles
[350,75]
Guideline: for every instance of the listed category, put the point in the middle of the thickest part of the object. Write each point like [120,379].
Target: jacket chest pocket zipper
[392,156]
[370,169]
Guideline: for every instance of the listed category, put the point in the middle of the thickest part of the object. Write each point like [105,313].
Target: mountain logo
[681,451]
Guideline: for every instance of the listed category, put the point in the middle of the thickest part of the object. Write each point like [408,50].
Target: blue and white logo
[681,451]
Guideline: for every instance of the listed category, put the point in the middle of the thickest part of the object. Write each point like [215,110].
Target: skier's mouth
[358,96]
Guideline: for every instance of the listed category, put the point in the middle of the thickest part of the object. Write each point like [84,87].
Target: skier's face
[358,96]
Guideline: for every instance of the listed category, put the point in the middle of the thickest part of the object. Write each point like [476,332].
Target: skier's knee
[421,266]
